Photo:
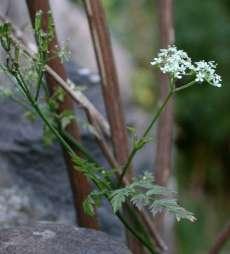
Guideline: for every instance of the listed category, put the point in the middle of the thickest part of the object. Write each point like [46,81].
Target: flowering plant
[178,64]
[142,193]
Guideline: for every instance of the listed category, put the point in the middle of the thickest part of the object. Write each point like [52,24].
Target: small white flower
[217,80]
[200,77]
[173,61]
[206,71]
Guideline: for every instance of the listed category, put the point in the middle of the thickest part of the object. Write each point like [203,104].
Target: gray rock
[50,238]
[34,185]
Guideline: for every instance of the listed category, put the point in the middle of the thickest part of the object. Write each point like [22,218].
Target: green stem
[127,165]
[78,146]
[148,129]
[136,234]
[26,91]
[53,129]
[39,83]
[24,105]
[134,149]
[184,86]
[157,115]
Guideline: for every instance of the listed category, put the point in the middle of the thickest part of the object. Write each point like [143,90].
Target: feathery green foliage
[143,192]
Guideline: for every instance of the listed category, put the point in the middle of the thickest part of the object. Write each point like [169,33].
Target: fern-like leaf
[171,206]
[140,200]
[92,202]
[159,190]
[89,206]
[118,197]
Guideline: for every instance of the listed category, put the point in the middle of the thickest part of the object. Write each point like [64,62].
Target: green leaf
[5,39]
[38,21]
[140,200]
[56,98]
[64,53]
[159,190]
[146,181]
[171,206]
[30,115]
[48,136]
[143,193]
[92,201]
[66,118]
[88,206]
[118,197]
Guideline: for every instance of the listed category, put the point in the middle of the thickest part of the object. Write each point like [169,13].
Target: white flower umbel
[178,64]
[173,62]
[206,71]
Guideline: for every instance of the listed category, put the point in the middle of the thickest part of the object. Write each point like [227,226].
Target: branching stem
[135,149]
[184,86]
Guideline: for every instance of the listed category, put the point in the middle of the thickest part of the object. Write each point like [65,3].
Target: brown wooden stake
[220,241]
[163,160]
[165,127]
[79,184]
[110,88]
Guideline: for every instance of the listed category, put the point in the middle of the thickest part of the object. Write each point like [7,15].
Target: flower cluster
[177,64]
[205,71]
[173,61]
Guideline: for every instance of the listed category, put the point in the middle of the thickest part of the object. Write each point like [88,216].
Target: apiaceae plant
[27,74]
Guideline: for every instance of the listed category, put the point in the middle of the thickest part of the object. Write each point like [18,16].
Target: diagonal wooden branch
[221,239]
[97,120]
[79,183]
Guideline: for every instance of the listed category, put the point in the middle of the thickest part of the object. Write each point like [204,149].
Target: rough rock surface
[34,184]
[50,238]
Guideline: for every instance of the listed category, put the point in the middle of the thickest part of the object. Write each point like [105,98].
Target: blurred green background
[202,121]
